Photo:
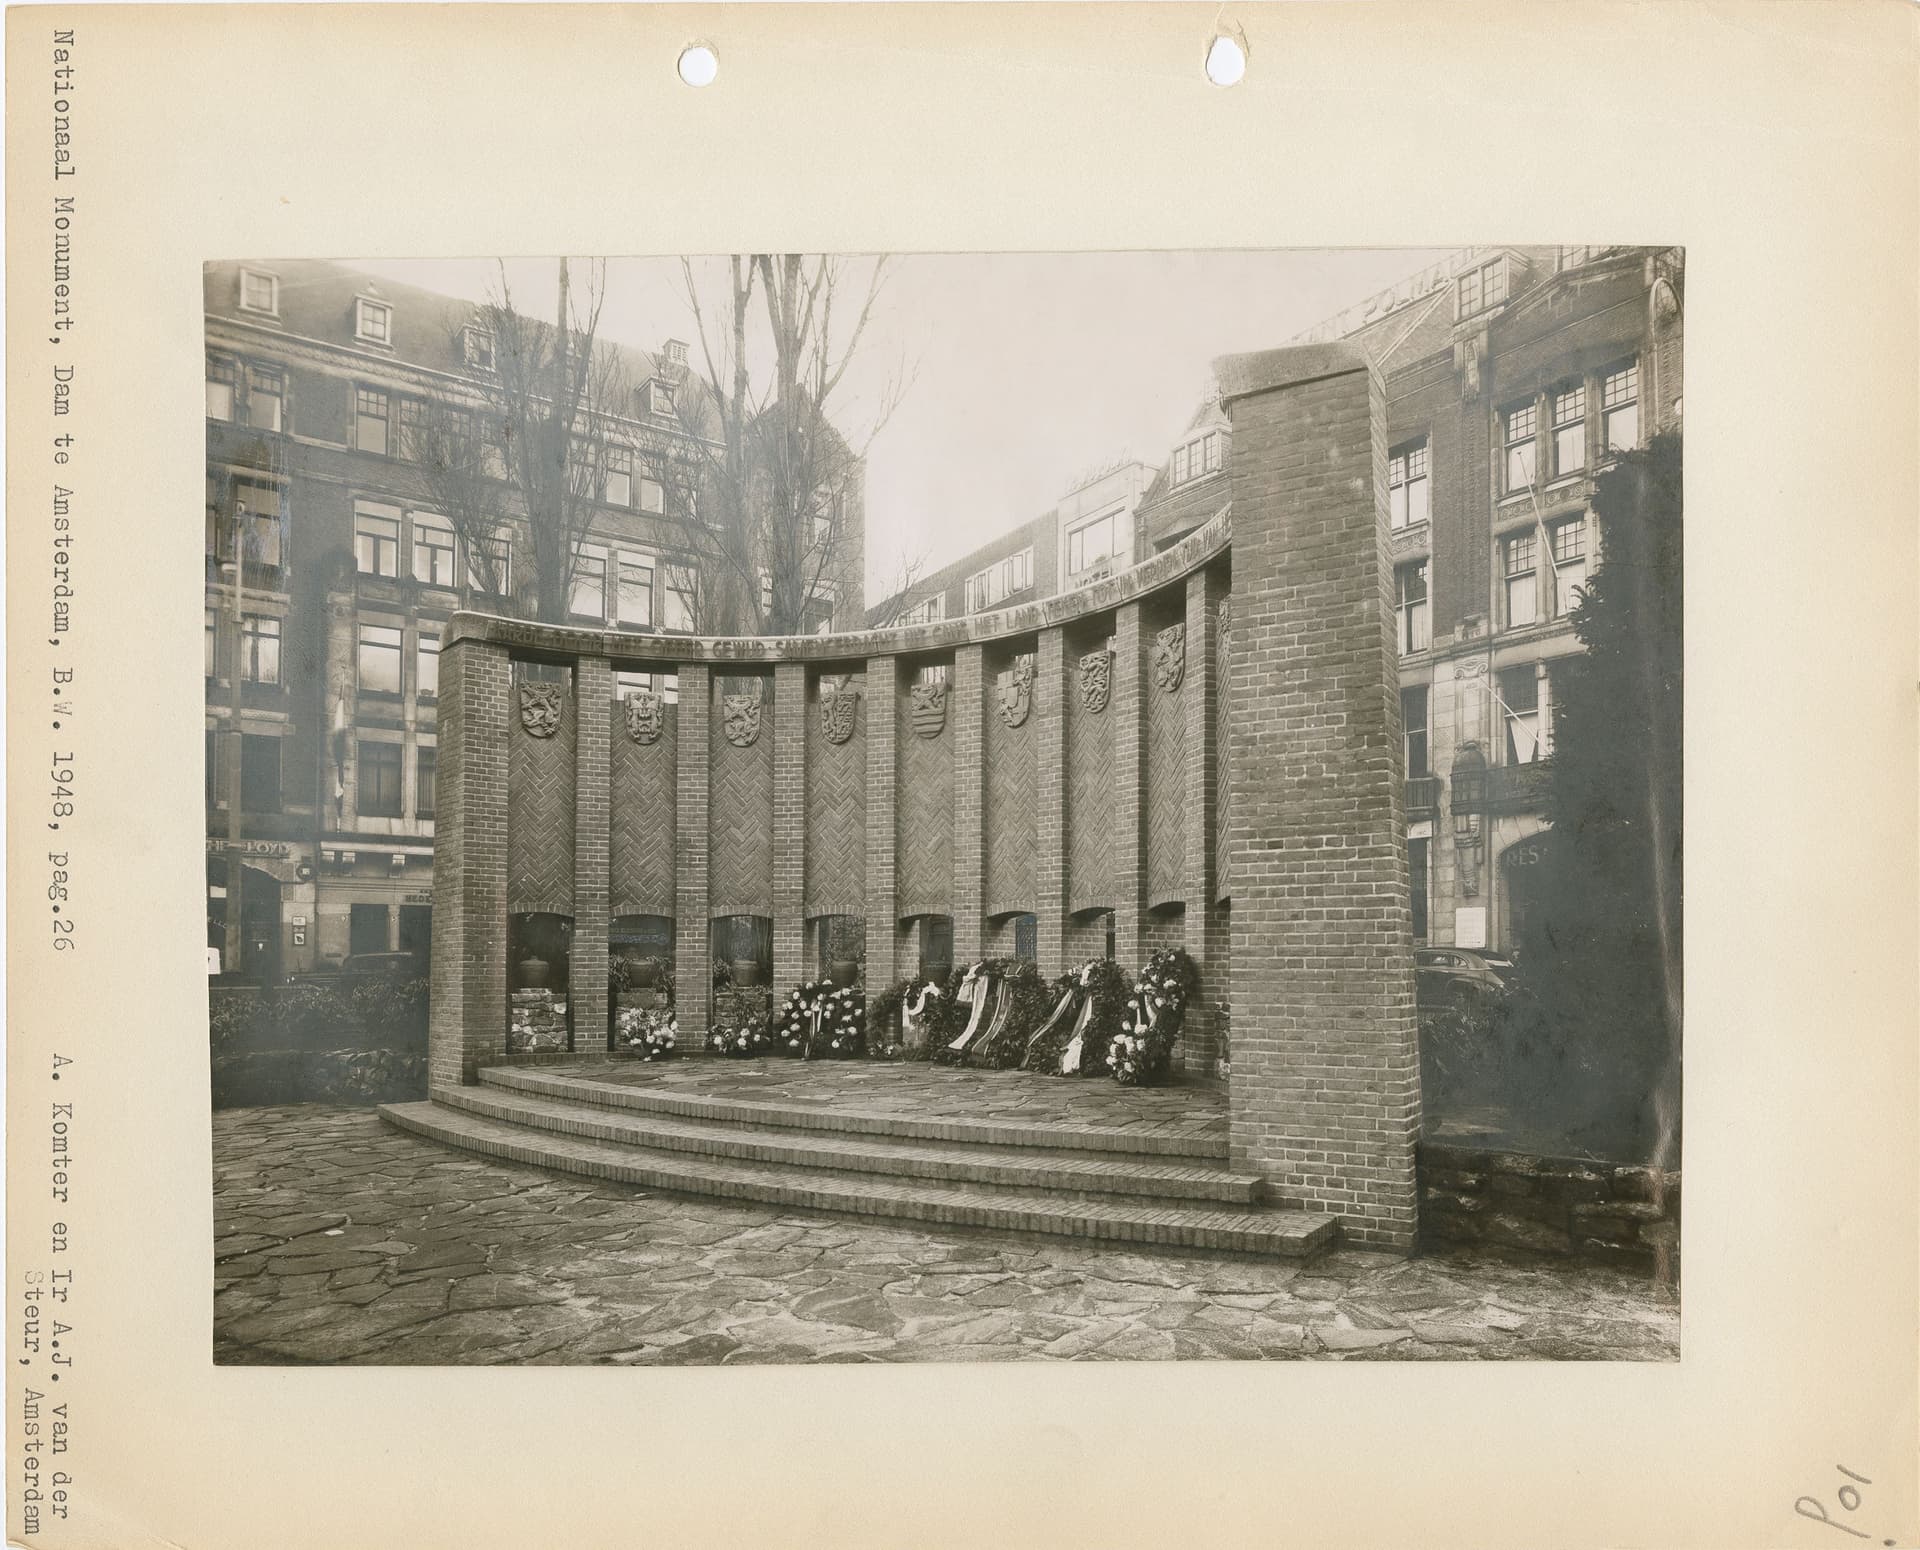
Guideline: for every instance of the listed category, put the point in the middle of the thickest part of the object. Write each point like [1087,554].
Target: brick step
[1087,1173]
[1291,1234]
[1170,1140]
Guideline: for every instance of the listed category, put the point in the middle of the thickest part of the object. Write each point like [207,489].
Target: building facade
[331,570]
[1512,376]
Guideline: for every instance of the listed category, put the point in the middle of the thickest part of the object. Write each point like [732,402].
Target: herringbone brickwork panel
[540,815]
[837,814]
[740,823]
[642,825]
[1166,796]
[1090,804]
[1009,808]
[925,803]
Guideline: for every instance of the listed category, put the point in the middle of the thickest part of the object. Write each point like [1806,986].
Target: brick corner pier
[1204,747]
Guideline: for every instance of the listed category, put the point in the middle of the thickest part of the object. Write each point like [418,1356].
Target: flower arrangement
[740,1039]
[649,1034]
[821,1019]
[1107,984]
[1142,1050]
[929,998]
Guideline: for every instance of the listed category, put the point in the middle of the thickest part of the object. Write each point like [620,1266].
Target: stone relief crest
[740,719]
[1096,680]
[929,703]
[540,708]
[837,702]
[646,715]
[1016,692]
[1170,657]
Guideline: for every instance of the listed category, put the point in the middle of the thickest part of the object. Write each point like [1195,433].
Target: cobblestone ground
[339,1239]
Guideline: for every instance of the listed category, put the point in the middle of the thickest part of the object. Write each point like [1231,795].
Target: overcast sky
[1024,371]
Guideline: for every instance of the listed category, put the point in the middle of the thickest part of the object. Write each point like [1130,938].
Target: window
[617,488]
[625,682]
[427,667]
[372,321]
[1519,559]
[259,292]
[653,495]
[254,519]
[936,946]
[260,648]
[223,387]
[1026,938]
[1520,713]
[1620,408]
[633,598]
[379,795]
[1413,730]
[1090,544]
[213,641]
[379,659]
[985,589]
[423,774]
[1522,421]
[1215,448]
[477,346]
[1410,586]
[1481,287]
[1197,457]
[259,774]
[490,564]
[1407,502]
[822,529]
[929,610]
[659,397]
[409,416]
[587,594]
[376,539]
[266,395]
[1569,541]
[682,592]
[1569,430]
[370,411]
[432,550]
[1417,886]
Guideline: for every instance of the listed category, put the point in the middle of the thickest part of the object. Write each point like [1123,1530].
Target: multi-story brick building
[1511,376]
[325,656]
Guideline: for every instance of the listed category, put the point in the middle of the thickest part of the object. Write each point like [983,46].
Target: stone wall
[1604,1213]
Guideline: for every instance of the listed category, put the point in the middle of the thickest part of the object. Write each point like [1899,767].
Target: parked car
[382,965]
[1457,976]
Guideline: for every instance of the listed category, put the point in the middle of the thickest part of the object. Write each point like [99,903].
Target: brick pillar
[592,793]
[789,825]
[967,709]
[882,881]
[1205,921]
[1129,712]
[1326,1083]
[692,957]
[1051,688]
[468,1026]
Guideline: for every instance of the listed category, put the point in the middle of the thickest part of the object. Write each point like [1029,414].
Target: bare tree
[763,501]
[535,434]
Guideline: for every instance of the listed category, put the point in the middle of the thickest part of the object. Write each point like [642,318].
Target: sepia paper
[1776,142]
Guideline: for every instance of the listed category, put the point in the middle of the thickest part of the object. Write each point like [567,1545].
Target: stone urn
[533,972]
[643,973]
[746,971]
[844,972]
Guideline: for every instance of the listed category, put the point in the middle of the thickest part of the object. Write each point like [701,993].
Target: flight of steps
[1079,1181]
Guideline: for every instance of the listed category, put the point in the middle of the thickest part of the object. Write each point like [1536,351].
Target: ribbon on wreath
[1076,1046]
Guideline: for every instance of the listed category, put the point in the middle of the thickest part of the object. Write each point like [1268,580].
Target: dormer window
[477,347]
[1197,457]
[260,292]
[372,321]
[1481,287]
[659,397]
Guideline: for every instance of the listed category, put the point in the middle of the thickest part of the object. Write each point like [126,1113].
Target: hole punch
[698,65]
[1226,61]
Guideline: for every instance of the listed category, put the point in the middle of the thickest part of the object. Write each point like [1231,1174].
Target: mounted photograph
[945,807]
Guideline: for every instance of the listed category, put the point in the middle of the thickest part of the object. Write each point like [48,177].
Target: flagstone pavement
[340,1239]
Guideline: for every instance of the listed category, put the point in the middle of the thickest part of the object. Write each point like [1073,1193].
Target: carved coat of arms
[1016,692]
[1170,657]
[646,715]
[929,703]
[836,711]
[740,719]
[540,708]
[1096,680]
